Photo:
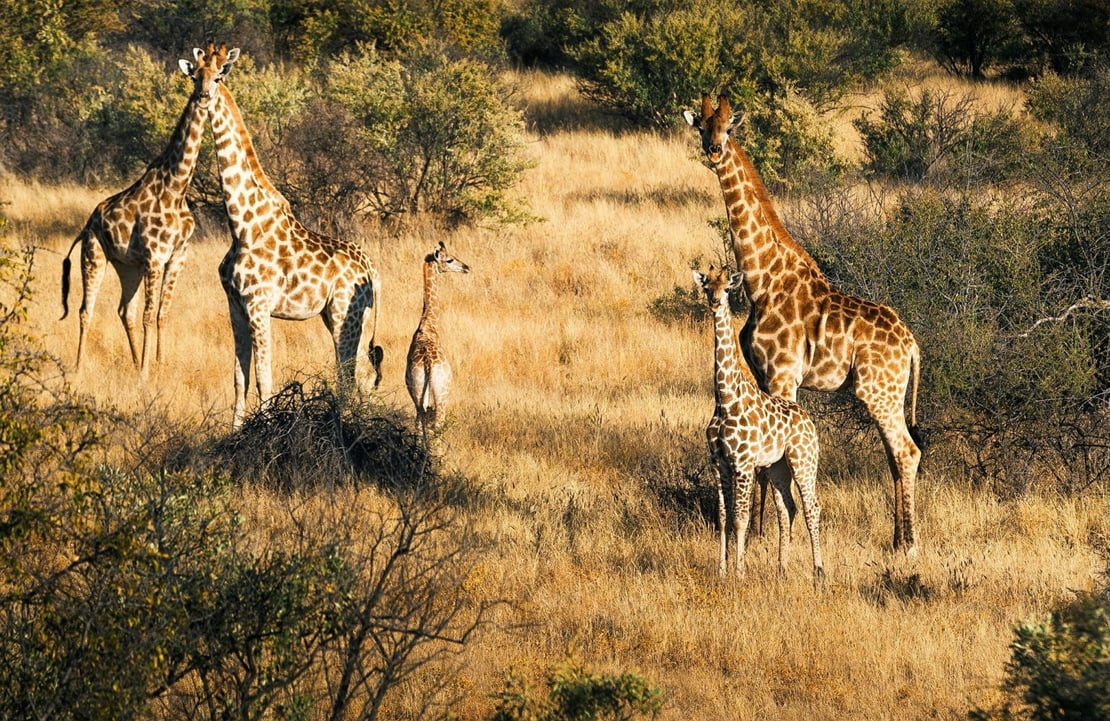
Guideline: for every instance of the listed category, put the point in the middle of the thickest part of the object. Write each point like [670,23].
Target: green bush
[941,138]
[312,31]
[1059,667]
[577,694]
[430,135]
[974,35]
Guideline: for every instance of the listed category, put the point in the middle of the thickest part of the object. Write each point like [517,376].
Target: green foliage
[1059,667]
[779,62]
[576,694]
[311,31]
[1064,37]
[973,35]
[430,135]
[137,100]
[681,305]
[1078,108]
[940,138]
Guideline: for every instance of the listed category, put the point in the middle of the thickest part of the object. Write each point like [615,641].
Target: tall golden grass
[569,398]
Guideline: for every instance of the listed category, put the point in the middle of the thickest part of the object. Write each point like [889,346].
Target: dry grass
[574,410]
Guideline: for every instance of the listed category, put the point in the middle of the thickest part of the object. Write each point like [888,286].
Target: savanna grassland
[576,415]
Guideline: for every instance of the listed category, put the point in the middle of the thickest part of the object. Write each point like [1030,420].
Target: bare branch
[1095,305]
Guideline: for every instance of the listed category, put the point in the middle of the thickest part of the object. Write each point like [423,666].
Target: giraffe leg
[93,264]
[169,281]
[804,467]
[262,341]
[903,457]
[743,483]
[241,331]
[151,292]
[130,277]
[779,475]
[720,469]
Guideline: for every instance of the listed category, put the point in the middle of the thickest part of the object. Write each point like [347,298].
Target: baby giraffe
[427,373]
[753,432]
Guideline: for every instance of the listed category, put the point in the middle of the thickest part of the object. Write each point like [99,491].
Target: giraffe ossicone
[428,373]
[278,268]
[144,230]
[752,432]
[801,332]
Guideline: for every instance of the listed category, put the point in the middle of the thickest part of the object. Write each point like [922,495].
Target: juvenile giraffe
[427,372]
[278,268]
[144,231]
[750,432]
[801,332]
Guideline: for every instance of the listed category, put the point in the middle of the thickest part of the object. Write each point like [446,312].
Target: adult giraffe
[144,231]
[801,332]
[278,268]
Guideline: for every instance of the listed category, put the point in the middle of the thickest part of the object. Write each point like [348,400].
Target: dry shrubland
[578,422]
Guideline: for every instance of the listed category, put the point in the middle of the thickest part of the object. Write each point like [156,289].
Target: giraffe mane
[248,148]
[724,112]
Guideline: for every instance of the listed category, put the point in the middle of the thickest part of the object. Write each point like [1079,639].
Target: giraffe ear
[737,120]
[735,281]
[232,56]
[699,278]
[186,67]
[691,118]
[198,54]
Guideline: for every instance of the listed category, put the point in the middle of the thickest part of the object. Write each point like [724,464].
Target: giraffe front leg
[169,281]
[263,361]
[743,484]
[718,466]
[240,329]
[151,293]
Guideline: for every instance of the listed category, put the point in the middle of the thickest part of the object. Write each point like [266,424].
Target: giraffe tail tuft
[67,264]
[919,436]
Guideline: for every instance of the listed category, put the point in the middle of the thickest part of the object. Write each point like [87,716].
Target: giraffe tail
[67,264]
[376,351]
[916,433]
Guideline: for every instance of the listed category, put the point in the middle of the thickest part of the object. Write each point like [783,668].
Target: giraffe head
[716,284]
[714,126]
[444,262]
[207,69]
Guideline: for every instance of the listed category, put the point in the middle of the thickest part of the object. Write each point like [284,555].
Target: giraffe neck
[250,197]
[179,159]
[734,380]
[763,246]
[429,318]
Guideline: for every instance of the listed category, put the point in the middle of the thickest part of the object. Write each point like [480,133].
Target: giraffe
[751,432]
[278,268]
[801,332]
[144,231]
[427,372]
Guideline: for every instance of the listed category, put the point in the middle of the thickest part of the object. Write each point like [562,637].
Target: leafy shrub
[312,32]
[433,135]
[1059,667]
[1078,108]
[935,136]
[576,694]
[973,35]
